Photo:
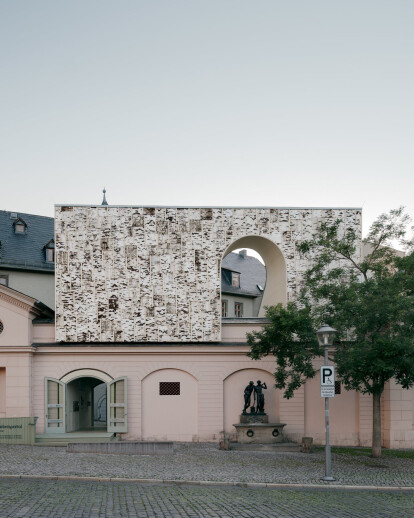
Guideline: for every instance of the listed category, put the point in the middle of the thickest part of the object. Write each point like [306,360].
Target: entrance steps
[63,439]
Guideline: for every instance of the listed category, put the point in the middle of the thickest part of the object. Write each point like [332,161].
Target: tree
[368,299]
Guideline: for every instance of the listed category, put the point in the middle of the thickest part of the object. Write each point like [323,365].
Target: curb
[251,485]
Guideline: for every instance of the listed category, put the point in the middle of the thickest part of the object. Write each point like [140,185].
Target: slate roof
[25,251]
[252,273]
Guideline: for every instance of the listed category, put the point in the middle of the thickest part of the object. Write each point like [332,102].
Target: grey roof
[25,251]
[252,273]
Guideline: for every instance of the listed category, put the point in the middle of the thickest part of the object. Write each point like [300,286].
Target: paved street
[43,498]
[79,499]
[205,462]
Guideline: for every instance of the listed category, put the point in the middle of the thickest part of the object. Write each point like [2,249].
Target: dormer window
[235,279]
[50,251]
[19,226]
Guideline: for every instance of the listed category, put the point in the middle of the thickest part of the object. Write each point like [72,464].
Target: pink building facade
[139,347]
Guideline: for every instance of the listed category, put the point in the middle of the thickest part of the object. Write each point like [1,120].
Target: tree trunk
[376,425]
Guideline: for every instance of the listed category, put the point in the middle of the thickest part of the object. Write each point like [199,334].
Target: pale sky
[214,102]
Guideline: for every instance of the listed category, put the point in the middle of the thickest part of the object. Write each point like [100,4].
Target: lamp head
[326,335]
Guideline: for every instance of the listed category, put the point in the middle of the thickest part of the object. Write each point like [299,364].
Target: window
[224,307]
[50,251]
[19,228]
[238,309]
[169,388]
[235,279]
[337,387]
[4,280]
[50,255]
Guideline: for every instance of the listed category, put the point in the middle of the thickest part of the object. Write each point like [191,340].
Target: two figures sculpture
[258,397]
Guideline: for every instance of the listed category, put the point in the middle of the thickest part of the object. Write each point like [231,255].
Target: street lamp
[326,337]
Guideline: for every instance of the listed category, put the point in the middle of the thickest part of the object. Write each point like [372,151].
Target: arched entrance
[275,290]
[86,400]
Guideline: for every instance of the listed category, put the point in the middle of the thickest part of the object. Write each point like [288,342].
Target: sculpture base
[254,418]
[262,433]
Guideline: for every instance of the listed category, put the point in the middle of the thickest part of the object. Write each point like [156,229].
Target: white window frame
[241,307]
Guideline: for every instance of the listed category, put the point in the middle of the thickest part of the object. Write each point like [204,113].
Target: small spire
[104,202]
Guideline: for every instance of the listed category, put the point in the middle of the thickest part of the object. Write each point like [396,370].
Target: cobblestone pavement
[79,499]
[205,462]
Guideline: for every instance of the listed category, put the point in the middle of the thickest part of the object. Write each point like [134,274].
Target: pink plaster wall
[43,333]
[202,372]
[17,324]
[213,377]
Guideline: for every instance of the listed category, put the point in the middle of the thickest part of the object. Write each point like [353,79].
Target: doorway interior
[86,401]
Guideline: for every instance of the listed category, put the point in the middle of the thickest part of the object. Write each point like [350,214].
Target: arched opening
[169,406]
[246,286]
[234,386]
[86,400]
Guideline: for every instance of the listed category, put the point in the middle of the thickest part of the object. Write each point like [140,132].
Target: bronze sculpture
[258,397]
[248,396]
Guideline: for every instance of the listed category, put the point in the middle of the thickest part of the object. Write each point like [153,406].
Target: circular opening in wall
[1,326]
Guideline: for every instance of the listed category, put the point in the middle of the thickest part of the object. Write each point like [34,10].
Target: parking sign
[327,381]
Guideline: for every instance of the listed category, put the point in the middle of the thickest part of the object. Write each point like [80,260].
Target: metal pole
[328,465]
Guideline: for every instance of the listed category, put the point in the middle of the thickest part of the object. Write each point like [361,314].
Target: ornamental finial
[104,202]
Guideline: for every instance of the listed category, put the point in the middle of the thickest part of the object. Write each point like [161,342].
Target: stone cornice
[19,299]
[21,349]
[147,349]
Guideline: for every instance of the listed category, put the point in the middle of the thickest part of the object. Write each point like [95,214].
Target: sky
[214,103]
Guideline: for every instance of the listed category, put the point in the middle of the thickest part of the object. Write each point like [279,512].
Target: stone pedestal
[254,418]
[255,428]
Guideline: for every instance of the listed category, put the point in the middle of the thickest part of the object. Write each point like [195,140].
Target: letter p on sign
[327,376]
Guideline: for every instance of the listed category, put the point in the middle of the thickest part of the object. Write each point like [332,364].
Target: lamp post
[326,337]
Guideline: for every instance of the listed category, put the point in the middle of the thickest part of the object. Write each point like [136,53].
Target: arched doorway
[275,286]
[86,400]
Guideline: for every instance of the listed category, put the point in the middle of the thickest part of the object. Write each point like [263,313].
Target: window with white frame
[50,251]
[235,279]
[238,309]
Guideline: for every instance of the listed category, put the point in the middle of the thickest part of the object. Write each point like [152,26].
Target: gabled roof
[252,273]
[19,220]
[40,310]
[25,251]
[50,244]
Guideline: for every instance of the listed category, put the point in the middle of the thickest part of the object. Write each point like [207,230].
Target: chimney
[243,253]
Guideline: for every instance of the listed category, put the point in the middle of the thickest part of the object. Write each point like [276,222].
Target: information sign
[327,381]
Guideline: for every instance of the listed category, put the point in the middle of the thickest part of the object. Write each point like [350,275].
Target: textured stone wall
[152,274]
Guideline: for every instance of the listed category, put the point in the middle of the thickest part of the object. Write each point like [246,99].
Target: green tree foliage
[368,299]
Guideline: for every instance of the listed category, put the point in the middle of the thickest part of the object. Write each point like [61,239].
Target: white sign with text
[327,381]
